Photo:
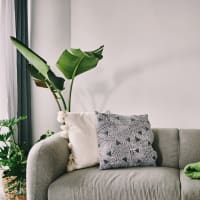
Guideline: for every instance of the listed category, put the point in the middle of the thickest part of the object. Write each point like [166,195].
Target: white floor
[2,197]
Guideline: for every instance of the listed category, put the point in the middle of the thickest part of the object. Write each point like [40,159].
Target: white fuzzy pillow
[80,128]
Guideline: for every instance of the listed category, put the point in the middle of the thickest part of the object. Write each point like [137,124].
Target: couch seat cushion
[190,189]
[147,183]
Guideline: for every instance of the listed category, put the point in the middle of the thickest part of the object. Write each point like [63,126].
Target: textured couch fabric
[118,184]
[167,146]
[190,188]
[47,178]
[189,147]
[46,162]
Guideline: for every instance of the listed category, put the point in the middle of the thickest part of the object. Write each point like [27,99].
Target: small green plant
[13,157]
[45,135]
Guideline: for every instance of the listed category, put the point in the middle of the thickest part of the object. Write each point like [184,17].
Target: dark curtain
[23,77]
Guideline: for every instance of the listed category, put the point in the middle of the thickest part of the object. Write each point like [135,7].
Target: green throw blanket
[193,170]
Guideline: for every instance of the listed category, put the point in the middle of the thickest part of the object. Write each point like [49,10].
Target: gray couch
[47,177]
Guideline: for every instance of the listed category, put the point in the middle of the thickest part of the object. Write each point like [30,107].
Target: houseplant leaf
[38,78]
[39,69]
[38,62]
[74,62]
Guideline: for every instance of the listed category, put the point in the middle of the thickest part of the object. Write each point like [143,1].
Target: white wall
[151,60]
[50,35]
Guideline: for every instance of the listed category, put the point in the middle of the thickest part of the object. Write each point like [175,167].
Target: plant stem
[63,100]
[55,97]
[71,85]
[60,95]
[70,95]
[12,135]
[59,106]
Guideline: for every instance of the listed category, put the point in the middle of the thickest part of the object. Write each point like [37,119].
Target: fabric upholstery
[190,189]
[81,130]
[166,144]
[147,183]
[46,162]
[189,147]
[46,173]
[124,141]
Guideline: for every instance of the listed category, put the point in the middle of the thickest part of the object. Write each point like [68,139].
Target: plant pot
[20,197]
[11,195]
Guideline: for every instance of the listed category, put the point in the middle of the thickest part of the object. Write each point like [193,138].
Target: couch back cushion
[166,144]
[189,146]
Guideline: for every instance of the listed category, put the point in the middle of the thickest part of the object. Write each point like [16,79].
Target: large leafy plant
[71,63]
[13,157]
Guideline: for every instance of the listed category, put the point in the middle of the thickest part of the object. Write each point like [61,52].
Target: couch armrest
[47,160]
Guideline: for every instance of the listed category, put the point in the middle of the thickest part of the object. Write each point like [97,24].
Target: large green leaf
[39,63]
[38,78]
[74,62]
[56,81]
[38,67]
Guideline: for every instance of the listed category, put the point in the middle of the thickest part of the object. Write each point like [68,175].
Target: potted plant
[13,159]
[71,63]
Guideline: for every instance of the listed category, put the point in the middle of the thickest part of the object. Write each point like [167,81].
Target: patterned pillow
[124,141]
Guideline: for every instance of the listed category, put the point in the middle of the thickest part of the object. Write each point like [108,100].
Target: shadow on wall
[106,88]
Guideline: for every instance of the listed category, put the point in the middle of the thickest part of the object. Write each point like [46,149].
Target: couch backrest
[177,148]
[166,144]
[189,140]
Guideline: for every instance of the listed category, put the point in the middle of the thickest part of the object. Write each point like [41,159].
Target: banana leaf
[75,61]
[39,69]
[38,78]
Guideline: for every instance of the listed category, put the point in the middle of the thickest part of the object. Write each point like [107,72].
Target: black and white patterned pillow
[124,141]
